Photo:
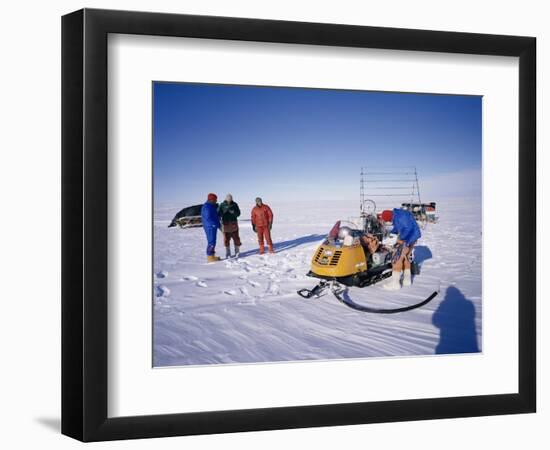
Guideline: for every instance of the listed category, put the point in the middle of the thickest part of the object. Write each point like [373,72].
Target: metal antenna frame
[397,176]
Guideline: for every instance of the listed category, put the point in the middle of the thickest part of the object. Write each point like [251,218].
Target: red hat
[387,215]
[212,197]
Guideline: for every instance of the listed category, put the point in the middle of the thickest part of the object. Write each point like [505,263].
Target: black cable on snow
[351,304]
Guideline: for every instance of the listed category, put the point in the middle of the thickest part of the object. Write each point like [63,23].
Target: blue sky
[294,143]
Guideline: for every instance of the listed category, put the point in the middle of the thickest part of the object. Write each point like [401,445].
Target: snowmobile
[351,257]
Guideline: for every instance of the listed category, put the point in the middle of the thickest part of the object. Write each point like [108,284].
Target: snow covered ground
[247,310]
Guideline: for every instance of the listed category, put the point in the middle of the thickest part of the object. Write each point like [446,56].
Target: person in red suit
[262,221]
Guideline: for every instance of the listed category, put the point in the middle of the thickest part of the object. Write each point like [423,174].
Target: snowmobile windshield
[343,234]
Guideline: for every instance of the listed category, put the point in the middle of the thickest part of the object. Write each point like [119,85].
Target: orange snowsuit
[262,218]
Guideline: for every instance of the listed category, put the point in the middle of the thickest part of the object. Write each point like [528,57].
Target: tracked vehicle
[351,257]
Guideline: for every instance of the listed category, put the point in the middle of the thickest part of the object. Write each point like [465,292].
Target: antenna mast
[388,186]
[362,191]
[417,185]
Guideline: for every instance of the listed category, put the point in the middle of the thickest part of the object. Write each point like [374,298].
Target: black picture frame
[84,224]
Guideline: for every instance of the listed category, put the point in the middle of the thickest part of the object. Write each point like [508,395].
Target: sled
[422,212]
[188,217]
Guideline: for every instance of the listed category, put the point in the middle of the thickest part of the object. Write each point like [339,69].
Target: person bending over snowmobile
[262,221]
[229,212]
[210,223]
[405,226]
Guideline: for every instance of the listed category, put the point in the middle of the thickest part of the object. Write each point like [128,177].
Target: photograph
[303,224]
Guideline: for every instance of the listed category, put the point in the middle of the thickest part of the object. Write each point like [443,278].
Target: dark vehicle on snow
[187,217]
[421,211]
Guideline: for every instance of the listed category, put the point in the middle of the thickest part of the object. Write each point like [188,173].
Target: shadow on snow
[422,253]
[287,245]
[455,319]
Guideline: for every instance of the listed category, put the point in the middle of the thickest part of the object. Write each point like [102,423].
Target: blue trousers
[211,233]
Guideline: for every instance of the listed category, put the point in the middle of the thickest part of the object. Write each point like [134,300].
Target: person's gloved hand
[270,225]
[254,227]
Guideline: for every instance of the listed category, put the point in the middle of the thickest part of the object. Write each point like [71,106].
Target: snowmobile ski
[316,291]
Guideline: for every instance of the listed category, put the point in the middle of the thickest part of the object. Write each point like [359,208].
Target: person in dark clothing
[229,212]
[210,223]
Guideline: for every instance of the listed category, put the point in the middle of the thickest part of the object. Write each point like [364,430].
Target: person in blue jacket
[211,223]
[408,232]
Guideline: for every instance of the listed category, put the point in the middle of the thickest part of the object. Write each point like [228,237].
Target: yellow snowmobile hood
[333,261]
